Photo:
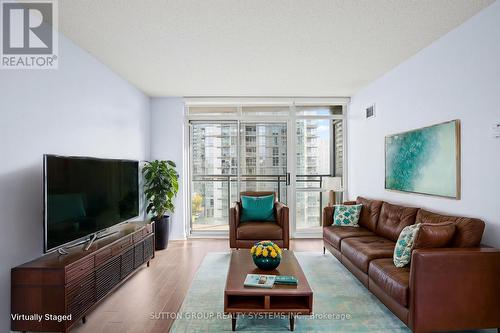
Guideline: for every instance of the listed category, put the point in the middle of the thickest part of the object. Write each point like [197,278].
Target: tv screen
[87,195]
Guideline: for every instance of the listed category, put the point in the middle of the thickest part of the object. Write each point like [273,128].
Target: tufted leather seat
[335,234]
[361,250]
[394,281]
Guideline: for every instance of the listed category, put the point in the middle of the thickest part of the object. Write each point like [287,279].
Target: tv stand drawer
[103,256]
[138,236]
[141,234]
[79,269]
[121,245]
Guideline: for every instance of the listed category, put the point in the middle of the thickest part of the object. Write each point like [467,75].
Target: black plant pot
[162,232]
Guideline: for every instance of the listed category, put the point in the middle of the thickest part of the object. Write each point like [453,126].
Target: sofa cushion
[404,245]
[434,235]
[259,231]
[468,231]
[361,250]
[335,234]
[369,213]
[346,215]
[393,219]
[394,281]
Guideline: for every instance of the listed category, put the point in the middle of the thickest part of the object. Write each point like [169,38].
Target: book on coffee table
[259,280]
[286,279]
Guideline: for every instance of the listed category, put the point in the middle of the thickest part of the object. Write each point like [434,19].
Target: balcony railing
[248,182]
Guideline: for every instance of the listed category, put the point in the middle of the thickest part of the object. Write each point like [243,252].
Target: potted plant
[161,187]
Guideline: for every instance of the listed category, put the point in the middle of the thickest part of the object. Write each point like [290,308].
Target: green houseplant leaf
[161,184]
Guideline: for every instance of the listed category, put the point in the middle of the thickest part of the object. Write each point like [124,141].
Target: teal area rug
[341,302]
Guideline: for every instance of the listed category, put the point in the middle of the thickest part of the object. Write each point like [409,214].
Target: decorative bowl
[267,264]
[266,255]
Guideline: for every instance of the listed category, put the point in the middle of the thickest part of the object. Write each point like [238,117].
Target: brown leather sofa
[245,234]
[456,287]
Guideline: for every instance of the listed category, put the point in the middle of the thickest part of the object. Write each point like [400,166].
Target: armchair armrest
[234,221]
[282,218]
[454,289]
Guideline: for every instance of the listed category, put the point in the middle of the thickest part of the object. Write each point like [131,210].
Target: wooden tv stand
[69,286]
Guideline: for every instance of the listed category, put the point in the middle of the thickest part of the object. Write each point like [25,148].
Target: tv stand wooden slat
[72,285]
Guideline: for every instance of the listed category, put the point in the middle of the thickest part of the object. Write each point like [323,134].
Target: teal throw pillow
[257,208]
[404,245]
[346,215]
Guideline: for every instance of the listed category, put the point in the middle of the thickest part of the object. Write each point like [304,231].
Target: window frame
[238,116]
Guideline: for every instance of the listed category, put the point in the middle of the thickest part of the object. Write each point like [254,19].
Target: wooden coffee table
[281,299]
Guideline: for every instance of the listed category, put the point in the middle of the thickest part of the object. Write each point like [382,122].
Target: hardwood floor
[160,288]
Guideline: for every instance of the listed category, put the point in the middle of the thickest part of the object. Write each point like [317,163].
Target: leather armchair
[245,234]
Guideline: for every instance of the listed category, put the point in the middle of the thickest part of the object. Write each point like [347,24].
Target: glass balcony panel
[210,204]
[309,208]
[266,184]
[309,182]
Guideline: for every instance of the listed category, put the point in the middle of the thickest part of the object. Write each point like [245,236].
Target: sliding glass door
[214,167]
[319,154]
[231,157]
[289,150]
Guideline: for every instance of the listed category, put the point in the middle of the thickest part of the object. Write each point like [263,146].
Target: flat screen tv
[83,196]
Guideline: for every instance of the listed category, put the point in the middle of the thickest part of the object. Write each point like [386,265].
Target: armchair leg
[324,250]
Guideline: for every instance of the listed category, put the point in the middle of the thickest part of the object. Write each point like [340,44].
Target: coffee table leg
[233,321]
[292,322]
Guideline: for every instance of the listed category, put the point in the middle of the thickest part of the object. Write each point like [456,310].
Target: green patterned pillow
[402,250]
[346,215]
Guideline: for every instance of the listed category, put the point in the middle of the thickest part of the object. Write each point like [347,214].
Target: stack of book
[286,279]
[268,281]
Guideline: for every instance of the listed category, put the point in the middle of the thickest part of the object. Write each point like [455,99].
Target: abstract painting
[425,160]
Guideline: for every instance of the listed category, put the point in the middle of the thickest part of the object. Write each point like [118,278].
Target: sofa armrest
[328,216]
[454,289]
[282,218]
[234,221]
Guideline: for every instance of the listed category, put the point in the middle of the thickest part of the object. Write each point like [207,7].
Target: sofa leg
[324,250]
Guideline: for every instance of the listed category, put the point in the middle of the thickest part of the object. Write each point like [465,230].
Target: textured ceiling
[257,47]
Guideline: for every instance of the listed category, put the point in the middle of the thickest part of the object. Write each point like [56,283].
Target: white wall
[457,77]
[167,143]
[80,109]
